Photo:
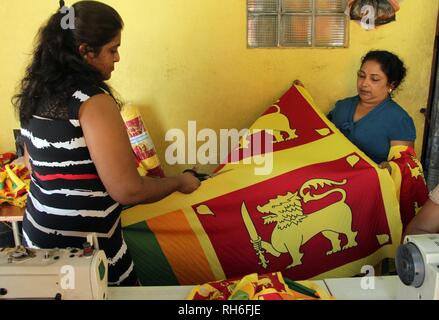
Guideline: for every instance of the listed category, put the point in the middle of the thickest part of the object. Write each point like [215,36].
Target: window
[297,23]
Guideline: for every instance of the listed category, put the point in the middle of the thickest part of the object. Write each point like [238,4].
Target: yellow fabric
[14,184]
[141,141]
[256,287]
[331,146]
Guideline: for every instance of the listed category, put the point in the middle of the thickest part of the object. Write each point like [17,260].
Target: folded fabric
[14,182]
[6,158]
[408,176]
[270,286]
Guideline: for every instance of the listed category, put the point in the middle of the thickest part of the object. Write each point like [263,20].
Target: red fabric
[368,219]
[414,190]
[295,108]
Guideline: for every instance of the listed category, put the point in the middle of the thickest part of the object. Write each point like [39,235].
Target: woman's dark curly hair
[57,67]
[391,65]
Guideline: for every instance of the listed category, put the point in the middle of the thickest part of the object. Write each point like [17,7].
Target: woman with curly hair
[78,150]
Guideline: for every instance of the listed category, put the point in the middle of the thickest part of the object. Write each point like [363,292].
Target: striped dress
[67,200]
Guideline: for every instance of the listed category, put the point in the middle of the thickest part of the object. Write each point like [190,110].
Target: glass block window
[297,23]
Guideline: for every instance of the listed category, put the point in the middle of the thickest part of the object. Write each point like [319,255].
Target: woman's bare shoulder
[100,103]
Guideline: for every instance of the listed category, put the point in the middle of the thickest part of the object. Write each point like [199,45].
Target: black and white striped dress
[67,200]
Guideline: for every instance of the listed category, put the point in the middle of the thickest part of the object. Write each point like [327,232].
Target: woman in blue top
[372,120]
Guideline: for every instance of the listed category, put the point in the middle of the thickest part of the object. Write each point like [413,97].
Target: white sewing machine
[417,264]
[53,273]
[48,275]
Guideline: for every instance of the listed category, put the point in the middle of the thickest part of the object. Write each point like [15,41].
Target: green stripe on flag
[150,263]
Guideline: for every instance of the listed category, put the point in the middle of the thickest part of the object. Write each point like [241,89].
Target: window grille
[297,23]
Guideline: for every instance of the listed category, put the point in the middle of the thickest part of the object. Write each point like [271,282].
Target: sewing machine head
[417,264]
[53,273]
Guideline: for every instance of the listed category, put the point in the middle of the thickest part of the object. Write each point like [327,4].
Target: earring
[390,91]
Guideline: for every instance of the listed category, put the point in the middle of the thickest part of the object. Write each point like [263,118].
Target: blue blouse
[373,133]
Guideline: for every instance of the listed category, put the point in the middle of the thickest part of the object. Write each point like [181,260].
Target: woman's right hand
[188,183]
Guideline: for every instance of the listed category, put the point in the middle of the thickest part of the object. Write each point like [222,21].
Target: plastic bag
[371,13]
[147,160]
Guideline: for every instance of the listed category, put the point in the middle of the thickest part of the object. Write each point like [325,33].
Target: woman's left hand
[385,165]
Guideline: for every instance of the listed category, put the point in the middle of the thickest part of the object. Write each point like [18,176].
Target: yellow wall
[187,60]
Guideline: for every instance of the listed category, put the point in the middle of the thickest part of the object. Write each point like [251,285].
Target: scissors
[204,176]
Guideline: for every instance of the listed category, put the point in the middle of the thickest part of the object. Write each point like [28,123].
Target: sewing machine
[53,273]
[417,264]
[73,274]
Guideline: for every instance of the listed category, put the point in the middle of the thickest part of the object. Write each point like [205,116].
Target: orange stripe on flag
[175,236]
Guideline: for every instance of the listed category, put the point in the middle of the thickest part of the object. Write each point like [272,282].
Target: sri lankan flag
[411,188]
[325,210]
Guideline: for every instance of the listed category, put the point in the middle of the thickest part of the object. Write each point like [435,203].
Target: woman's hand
[188,183]
[385,165]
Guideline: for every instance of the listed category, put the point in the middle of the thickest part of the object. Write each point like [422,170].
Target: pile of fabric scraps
[14,180]
[270,286]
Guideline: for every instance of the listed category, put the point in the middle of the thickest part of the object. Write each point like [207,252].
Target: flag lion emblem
[294,228]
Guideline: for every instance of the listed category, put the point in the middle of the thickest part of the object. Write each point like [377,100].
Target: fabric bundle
[147,160]
[271,286]
[14,180]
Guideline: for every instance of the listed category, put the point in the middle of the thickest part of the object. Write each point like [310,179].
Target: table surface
[365,288]
[11,213]
[149,293]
